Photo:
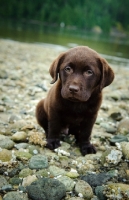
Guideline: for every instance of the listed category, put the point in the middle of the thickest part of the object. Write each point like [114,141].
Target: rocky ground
[28,170]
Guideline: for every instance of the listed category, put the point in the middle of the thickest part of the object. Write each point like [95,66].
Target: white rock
[28,180]
[114,157]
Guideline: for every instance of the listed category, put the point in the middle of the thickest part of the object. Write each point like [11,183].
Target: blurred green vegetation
[98,15]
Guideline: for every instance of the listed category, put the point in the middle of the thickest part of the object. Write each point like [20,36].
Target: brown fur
[75,98]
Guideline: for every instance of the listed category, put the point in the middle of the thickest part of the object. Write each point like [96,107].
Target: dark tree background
[81,14]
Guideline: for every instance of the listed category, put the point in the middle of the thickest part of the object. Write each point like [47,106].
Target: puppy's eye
[68,69]
[89,72]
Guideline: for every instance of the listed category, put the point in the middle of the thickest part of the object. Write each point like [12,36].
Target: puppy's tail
[41,116]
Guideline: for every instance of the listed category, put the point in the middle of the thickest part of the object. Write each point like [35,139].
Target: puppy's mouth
[73,99]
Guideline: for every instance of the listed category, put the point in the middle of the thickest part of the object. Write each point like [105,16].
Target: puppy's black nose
[73,88]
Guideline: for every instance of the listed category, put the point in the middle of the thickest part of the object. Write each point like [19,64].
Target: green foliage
[82,14]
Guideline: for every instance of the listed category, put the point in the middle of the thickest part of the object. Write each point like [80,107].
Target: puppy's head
[81,71]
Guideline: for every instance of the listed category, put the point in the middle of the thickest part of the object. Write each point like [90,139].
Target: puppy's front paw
[87,148]
[53,143]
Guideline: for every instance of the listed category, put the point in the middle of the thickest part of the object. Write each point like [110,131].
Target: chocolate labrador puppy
[72,104]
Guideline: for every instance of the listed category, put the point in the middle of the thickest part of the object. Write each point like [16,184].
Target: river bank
[30,171]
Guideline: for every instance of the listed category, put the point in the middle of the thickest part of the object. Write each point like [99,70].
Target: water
[114,49]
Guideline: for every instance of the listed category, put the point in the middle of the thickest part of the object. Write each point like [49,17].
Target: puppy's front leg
[84,137]
[53,136]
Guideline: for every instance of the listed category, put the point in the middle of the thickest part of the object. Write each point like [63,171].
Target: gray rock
[3,181]
[118,138]
[111,129]
[99,192]
[22,189]
[7,188]
[112,173]
[68,182]
[46,189]
[21,145]
[56,171]
[108,127]
[117,116]
[13,172]
[38,162]
[15,196]
[33,149]
[6,143]
[96,179]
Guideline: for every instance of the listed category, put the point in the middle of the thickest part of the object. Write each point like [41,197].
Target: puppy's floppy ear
[55,66]
[107,74]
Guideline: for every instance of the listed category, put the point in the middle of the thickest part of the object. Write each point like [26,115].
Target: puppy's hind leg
[41,116]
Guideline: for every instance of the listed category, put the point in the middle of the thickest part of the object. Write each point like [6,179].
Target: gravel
[30,171]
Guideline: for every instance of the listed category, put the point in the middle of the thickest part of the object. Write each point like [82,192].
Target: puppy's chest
[76,114]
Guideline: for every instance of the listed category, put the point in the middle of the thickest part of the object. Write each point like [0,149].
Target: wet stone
[96,179]
[19,136]
[24,80]
[111,157]
[99,192]
[42,173]
[3,181]
[25,172]
[68,182]
[34,150]
[15,181]
[28,180]
[21,145]
[22,155]
[117,191]
[5,155]
[15,195]
[6,143]
[56,171]
[7,188]
[84,188]
[117,116]
[38,162]
[119,139]
[108,127]
[13,172]
[46,188]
